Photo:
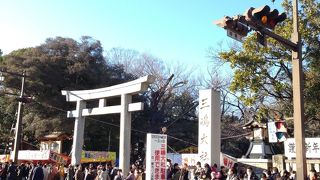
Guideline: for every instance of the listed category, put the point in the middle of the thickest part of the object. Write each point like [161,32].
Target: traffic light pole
[254,19]
[297,84]
[18,128]
[298,99]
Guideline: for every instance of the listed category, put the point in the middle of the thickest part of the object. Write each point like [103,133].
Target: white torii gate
[125,91]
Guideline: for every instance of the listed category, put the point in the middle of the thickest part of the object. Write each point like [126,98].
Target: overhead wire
[139,131]
[193,106]
[231,137]
[111,124]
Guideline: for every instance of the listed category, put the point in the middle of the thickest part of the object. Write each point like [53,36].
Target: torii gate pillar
[125,134]
[125,91]
[78,133]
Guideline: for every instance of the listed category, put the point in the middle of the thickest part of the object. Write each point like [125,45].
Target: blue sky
[173,30]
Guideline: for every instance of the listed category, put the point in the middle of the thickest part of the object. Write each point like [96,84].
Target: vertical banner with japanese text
[209,127]
[156,157]
[272,132]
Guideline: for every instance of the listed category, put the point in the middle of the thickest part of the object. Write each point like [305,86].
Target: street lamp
[18,128]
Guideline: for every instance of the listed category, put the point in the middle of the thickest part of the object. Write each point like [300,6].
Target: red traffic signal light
[264,17]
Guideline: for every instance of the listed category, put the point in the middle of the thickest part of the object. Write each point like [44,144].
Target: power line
[231,137]
[139,131]
[181,140]
[195,105]
[111,124]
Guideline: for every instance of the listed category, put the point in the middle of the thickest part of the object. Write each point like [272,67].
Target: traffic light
[281,130]
[234,27]
[263,16]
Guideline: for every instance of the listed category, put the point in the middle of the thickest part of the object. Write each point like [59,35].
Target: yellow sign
[97,156]
[4,158]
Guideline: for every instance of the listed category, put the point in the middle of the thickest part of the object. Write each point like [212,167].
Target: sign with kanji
[312,146]
[209,127]
[33,155]
[97,156]
[59,158]
[272,132]
[156,157]
[227,161]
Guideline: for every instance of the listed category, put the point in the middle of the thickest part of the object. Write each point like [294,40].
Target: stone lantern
[259,147]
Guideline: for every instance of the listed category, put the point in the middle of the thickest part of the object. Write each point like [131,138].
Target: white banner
[156,157]
[33,155]
[272,129]
[312,147]
[192,159]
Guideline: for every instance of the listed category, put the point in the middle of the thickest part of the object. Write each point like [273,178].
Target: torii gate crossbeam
[125,91]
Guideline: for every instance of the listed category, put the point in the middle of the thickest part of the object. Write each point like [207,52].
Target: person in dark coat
[90,175]
[275,173]
[3,171]
[38,172]
[30,172]
[207,171]
[184,173]
[22,172]
[250,175]
[70,173]
[79,174]
[12,171]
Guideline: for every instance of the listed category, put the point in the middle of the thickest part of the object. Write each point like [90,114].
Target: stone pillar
[209,127]
[279,162]
[125,134]
[78,133]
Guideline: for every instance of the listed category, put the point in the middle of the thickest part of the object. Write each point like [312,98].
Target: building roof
[56,136]
[253,124]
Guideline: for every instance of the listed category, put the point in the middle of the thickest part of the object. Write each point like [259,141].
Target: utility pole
[298,99]
[263,20]
[17,139]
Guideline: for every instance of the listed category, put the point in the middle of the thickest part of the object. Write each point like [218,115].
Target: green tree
[263,75]
[59,64]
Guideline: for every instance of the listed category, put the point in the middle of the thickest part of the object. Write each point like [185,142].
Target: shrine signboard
[156,157]
[312,146]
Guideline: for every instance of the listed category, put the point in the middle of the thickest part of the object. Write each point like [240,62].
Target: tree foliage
[58,64]
[263,75]
[67,64]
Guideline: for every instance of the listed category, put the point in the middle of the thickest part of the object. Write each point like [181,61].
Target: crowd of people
[39,171]
[207,172]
